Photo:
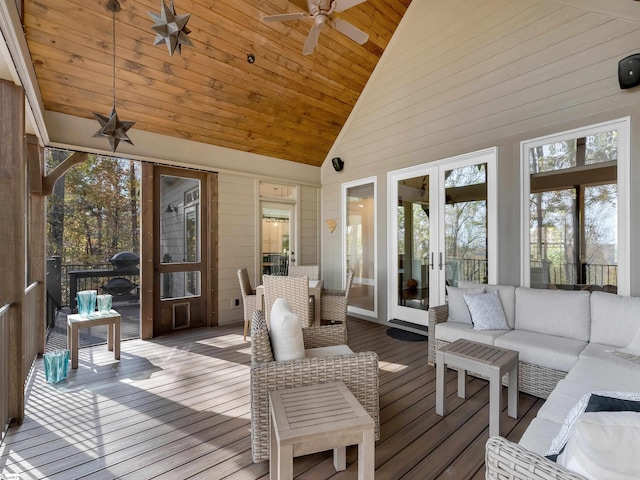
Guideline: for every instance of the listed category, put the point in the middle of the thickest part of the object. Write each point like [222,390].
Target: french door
[442,219]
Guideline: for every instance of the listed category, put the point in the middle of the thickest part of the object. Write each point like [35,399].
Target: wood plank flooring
[178,407]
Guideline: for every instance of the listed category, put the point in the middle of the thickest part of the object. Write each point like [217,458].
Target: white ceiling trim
[15,45]
[623,9]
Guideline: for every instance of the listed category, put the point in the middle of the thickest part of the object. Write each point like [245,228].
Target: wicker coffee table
[485,360]
[315,418]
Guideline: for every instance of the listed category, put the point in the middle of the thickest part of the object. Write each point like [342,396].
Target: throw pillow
[486,311]
[260,342]
[603,446]
[286,332]
[458,310]
[592,402]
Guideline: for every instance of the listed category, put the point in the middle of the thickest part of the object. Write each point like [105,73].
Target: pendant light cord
[114,58]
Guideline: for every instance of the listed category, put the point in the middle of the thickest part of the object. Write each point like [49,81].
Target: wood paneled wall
[504,72]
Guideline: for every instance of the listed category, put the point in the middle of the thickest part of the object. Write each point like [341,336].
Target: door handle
[431,264]
[440,260]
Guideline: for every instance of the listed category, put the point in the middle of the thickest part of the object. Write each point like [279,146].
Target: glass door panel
[465,227]
[414,230]
[360,246]
[277,238]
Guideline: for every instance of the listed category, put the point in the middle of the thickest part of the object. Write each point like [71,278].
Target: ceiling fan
[322,13]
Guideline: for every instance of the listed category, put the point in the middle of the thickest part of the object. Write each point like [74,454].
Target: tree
[99,210]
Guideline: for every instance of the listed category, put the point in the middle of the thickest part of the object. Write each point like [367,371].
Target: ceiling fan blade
[350,31]
[342,5]
[312,40]
[284,17]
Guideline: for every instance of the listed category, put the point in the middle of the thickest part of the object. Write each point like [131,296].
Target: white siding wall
[463,75]
[238,236]
[308,249]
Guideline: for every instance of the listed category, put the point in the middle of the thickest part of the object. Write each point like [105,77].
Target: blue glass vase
[56,365]
[86,302]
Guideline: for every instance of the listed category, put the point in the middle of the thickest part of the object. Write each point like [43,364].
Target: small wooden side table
[485,360]
[75,322]
[315,418]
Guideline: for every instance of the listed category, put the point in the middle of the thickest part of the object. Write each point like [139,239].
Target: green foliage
[99,209]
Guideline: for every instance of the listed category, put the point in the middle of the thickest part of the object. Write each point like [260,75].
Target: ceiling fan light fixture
[321,11]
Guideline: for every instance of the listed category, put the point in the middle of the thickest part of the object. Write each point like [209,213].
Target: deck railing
[5,312]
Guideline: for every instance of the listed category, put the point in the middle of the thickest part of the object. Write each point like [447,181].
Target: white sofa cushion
[286,332]
[615,319]
[507,297]
[600,368]
[539,435]
[458,310]
[554,312]
[548,351]
[452,331]
[562,399]
[329,351]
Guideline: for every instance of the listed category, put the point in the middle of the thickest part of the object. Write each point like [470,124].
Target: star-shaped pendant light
[171,28]
[111,126]
[113,129]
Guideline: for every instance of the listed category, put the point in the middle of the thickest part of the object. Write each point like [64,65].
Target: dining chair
[295,290]
[335,302]
[248,298]
[310,271]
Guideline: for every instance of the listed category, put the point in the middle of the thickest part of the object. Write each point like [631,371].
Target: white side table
[75,322]
[485,360]
[316,418]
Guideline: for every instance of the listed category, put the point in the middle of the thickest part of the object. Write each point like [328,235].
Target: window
[576,213]
[359,206]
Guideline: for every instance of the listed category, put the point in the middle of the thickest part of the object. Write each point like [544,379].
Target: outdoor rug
[405,335]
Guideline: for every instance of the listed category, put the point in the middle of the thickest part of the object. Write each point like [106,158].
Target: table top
[316,409]
[75,317]
[479,352]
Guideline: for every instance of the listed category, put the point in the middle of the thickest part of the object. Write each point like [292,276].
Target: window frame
[623,127]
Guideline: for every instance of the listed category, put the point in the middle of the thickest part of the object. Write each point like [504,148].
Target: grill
[124,261]
[118,286]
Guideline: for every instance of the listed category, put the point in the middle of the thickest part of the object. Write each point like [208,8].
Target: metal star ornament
[113,129]
[171,28]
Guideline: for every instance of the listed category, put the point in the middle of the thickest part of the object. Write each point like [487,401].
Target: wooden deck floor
[178,407]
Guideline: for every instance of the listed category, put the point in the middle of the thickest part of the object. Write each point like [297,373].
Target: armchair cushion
[328,351]
[286,332]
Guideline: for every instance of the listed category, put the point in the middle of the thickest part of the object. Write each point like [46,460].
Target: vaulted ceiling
[284,105]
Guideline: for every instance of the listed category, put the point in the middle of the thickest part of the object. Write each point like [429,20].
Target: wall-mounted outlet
[235,303]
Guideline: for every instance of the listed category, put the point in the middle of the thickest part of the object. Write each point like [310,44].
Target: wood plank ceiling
[285,105]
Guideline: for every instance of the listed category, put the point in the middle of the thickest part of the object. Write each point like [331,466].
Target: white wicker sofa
[611,322]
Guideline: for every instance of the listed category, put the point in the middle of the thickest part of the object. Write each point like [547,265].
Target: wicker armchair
[295,290]
[505,460]
[335,302]
[312,272]
[248,298]
[358,371]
